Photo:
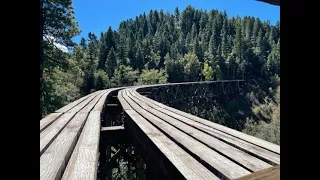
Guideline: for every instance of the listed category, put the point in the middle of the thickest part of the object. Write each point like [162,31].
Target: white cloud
[58,45]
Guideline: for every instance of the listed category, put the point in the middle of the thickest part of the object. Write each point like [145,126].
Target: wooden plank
[182,161]
[250,162]
[259,142]
[84,103]
[49,119]
[54,160]
[255,150]
[48,135]
[123,103]
[267,174]
[189,168]
[83,163]
[92,103]
[99,106]
[74,103]
[112,128]
[222,166]
[113,135]
[112,105]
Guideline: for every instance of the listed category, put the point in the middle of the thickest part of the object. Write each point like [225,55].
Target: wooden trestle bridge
[76,140]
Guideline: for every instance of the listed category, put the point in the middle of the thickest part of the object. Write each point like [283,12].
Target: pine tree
[101,80]
[58,27]
[174,69]
[122,53]
[182,48]
[103,54]
[89,81]
[273,62]
[174,51]
[177,14]
[218,73]
[213,44]
[248,30]
[138,64]
[194,31]
[83,43]
[203,21]
[255,31]
[197,49]
[131,47]
[111,63]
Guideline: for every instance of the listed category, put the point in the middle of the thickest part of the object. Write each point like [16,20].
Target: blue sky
[97,15]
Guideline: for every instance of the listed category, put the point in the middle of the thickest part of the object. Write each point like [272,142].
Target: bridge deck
[182,145]
[69,139]
[226,153]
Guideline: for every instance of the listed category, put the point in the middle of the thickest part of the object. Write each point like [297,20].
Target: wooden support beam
[112,105]
[144,93]
[112,128]
[113,108]
[148,149]
[113,135]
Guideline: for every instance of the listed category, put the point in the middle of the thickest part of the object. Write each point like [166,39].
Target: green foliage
[207,72]
[218,73]
[127,169]
[152,76]
[273,62]
[83,43]
[267,125]
[57,27]
[192,68]
[61,88]
[124,76]
[158,47]
[101,80]
[267,131]
[237,48]
[174,70]
[111,63]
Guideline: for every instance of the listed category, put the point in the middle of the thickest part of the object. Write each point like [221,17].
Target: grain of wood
[262,143]
[190,168]
[112,128]
[84,103]
[123,103]
[262,153]
[99,106]
[223,165]
[84,160]
[54,160]
[46,121]
[92,103]
[248,161]
[74,103]
[48,135]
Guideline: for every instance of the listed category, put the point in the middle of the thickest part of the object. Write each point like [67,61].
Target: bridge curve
[174,144]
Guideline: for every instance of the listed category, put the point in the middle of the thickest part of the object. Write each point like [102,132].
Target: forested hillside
[159,47]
